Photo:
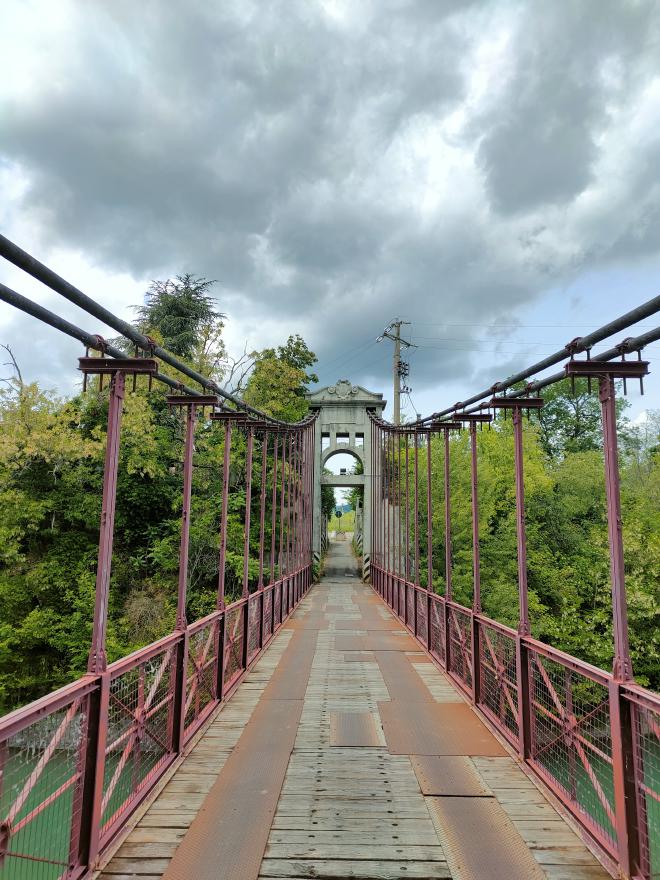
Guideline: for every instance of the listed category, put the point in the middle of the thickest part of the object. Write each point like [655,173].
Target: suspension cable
[20,258]
[581,344]
[12,298]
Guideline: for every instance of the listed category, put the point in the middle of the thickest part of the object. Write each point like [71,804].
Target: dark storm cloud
[335,166]
[571,63]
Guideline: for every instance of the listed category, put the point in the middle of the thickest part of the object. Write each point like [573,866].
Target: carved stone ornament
[343,389]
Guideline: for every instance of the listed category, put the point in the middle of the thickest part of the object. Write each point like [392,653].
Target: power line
[363,347]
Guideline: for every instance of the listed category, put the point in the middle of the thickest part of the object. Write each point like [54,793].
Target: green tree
[182,313]
[279,380]
[51,472]
[570,420]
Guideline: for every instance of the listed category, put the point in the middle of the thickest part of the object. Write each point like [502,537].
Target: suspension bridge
[356,724]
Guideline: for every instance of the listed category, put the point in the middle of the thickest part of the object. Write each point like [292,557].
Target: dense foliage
[568,561]
[51,472]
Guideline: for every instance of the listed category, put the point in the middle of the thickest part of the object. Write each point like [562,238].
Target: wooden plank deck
[349,810]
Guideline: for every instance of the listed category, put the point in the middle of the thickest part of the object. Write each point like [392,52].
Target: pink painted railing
[573,720]
[592,737]
[76,763]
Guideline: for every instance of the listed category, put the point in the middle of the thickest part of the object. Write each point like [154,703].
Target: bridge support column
[476,568]
[522,662]
[621,712]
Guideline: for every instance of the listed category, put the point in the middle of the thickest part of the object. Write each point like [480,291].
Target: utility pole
[393,332]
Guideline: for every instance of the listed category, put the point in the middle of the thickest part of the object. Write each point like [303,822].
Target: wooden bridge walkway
[345,753]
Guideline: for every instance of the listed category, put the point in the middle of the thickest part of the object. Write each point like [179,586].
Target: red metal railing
[569,707]
[75,764]
[48,753]
[592,737]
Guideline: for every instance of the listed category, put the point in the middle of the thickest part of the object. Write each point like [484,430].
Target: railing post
[623,774]
[429,543]
[399,493]
[622,668]
[522,661]
[220,669]
[476,569]
[97,661]
[181,664]
[273,514]
[91,793]
[246,546]
[448,572]
[220,599]
[621,722]
[220,602]
[91,813]
[262,529]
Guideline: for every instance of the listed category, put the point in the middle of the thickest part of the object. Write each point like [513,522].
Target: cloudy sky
[488,171]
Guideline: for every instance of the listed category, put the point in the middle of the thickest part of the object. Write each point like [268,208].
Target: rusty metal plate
[310,622]
[243,798]
[480,841]
[290,677]
[401,678]
[375,641]
[247,790]
[359,657]
[354,730]
[435,729]
[369,625]
[453,776]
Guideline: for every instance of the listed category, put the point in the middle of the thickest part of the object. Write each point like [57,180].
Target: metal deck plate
[435,729]
[310,622]
[480,841]
[289,680]
[228,836]
[376,641]
[401,678]
[246,792]
[369,624]
[359,657]
[354,730]
[454,776]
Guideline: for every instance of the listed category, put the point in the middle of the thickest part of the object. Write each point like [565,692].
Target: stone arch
[344,426]
[344,449]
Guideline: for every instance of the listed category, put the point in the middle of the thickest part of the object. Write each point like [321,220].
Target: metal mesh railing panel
[41,769]
[277,601]
[202,672]
[646,751]
[437,646]
[571,740]
[460,644]
[268,614]
[233,659]
[410,605]
[422,628]
[139,731]
[498,679]
[254,624]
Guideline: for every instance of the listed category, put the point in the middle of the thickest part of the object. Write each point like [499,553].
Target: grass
[345,524]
